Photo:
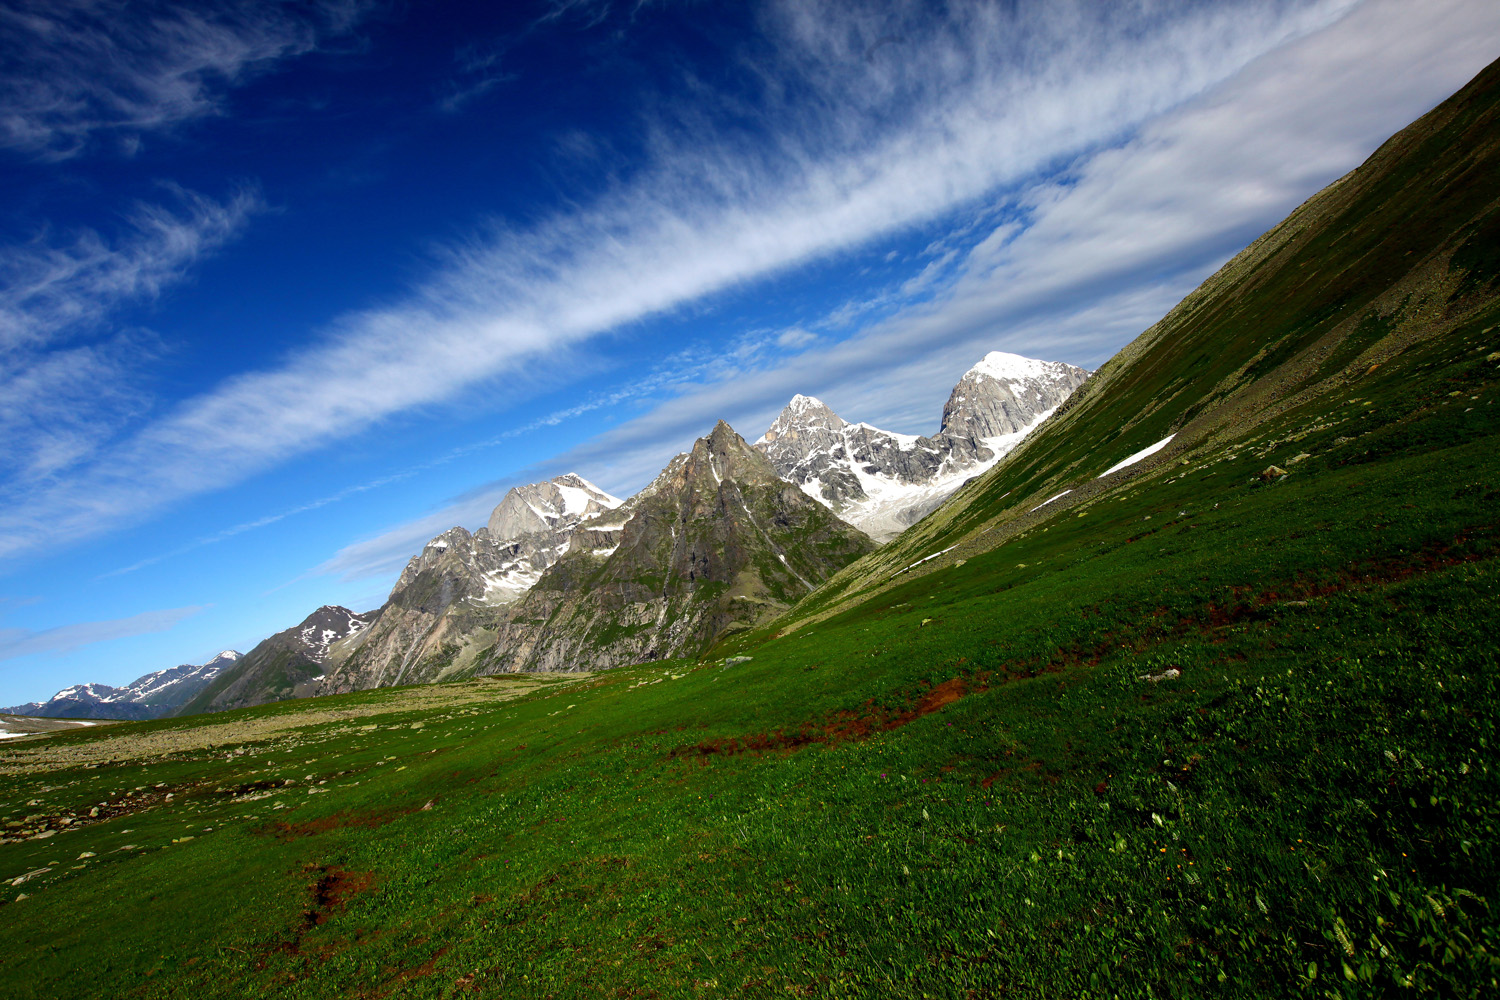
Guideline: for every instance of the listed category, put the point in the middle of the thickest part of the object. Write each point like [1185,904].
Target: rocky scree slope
[883,482]
[715,544]
[1315,316]
[150,696]
[289,664]
[444,608]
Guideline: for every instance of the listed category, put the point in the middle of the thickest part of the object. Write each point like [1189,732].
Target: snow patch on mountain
[1143,453]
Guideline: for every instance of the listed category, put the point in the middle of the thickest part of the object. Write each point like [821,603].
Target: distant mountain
[883,482]
[717,543]
[287,665]
[149,697]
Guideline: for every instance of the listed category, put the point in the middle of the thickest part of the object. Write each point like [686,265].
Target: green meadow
[1211,735]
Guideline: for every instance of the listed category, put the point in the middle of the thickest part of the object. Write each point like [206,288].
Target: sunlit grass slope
[1202,734]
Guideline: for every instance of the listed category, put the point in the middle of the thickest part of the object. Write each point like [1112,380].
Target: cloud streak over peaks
[852,141]
[1111,245]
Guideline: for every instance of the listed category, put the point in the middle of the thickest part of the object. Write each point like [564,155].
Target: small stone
[85,854]
[1299,458]
[1494,357]
[1273,472]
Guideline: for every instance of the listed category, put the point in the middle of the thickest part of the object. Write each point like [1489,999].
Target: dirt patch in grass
[331,892]
[342,820]
[839,728]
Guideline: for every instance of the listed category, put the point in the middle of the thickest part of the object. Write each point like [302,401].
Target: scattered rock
[1170,674]
[1494,357]
[85,854]
[1272,472]
[1299,458]
[1341,440]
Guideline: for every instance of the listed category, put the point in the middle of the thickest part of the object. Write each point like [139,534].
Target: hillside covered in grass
[1201,727]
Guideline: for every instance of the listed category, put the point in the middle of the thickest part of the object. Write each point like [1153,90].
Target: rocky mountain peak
[561,501]
[882,481]
[723,455]
[805,421]
[1004,394]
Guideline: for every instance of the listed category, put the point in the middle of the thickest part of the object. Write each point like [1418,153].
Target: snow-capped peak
[227,654]
[599,496]
[1003,367]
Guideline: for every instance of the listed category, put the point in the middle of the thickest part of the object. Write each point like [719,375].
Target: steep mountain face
[715,544]
[443,609]
[151,696]
[1298,349]
[884,482]
[287,665]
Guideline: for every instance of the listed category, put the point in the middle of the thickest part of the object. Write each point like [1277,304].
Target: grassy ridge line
[1285,322]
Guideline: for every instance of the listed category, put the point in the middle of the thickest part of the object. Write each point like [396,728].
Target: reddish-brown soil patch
[337,821]
[332,892]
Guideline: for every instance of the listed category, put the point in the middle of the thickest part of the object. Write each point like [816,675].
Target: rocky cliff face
[884,482]
[150,696]
[290,664]
[448,601]
[716,543]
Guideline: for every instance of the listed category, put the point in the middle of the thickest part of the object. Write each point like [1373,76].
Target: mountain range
[152,696]
[564,576]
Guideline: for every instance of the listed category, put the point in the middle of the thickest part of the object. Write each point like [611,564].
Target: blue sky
[286,290]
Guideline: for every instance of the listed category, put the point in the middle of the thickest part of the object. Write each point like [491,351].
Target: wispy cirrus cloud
[16,642]
[66,375]
[1102,251]
[50,288]
[856,136]
[76,70]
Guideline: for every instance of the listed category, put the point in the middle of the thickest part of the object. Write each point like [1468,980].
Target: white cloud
[894,134]
[16,642]
[1106,250]
[78,69]
[65,390]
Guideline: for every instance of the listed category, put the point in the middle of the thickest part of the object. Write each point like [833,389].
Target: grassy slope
[960,786]
[1348,280]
